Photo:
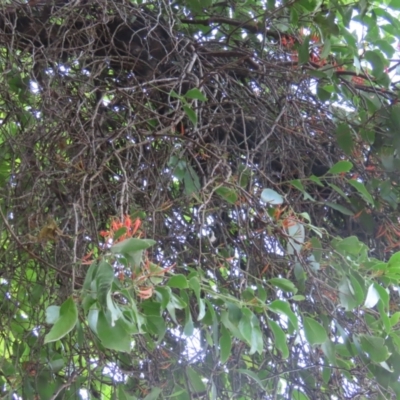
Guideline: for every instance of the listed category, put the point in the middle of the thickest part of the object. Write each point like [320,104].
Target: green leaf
[178,281]
[195,94]
[376,59]
[280,338]
[284,284]
[350,245]
[65,323]
[252,376]
[132,245]
[304,51]
[314,331]
[346,297]
[394,260]
[282,307]
[104,279]
[191,181]
[340,167]
[375,347]
[154,394]
[227,194]
[114,337]
[90,275]
[362,190]
[191,114]
[345,138]
[195,285]
[340,208]
[298,395]
[196,383]
[225,345]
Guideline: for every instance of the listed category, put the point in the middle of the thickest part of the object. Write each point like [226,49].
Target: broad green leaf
[195,94]
[314,331]
[113,336]
[227,194]
[104,279]
[329,350]
[269,196]
[191,181]
[256,342]
[132,245]
[304,51]
[123,395]
[65,323]
[298,395]
[90,275]
[191,114]
[196,383]
[375,58]
[350,245]
[225,345]
[280,338]
[375,347]
[362,190]
[345,138]
[284,284]
[195,285]
[282,307]
[340,167]
[154,394]
[178,281]
[340,208]
[347,299]
[394,260]
[253,376]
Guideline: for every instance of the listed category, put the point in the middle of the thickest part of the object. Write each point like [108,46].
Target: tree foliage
[199,199]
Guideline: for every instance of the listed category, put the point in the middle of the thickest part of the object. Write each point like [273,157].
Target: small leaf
[271,197]
[66,322]
[314,331]
[195,94]
[340,167]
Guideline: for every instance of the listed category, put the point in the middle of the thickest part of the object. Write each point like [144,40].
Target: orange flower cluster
[116,224]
